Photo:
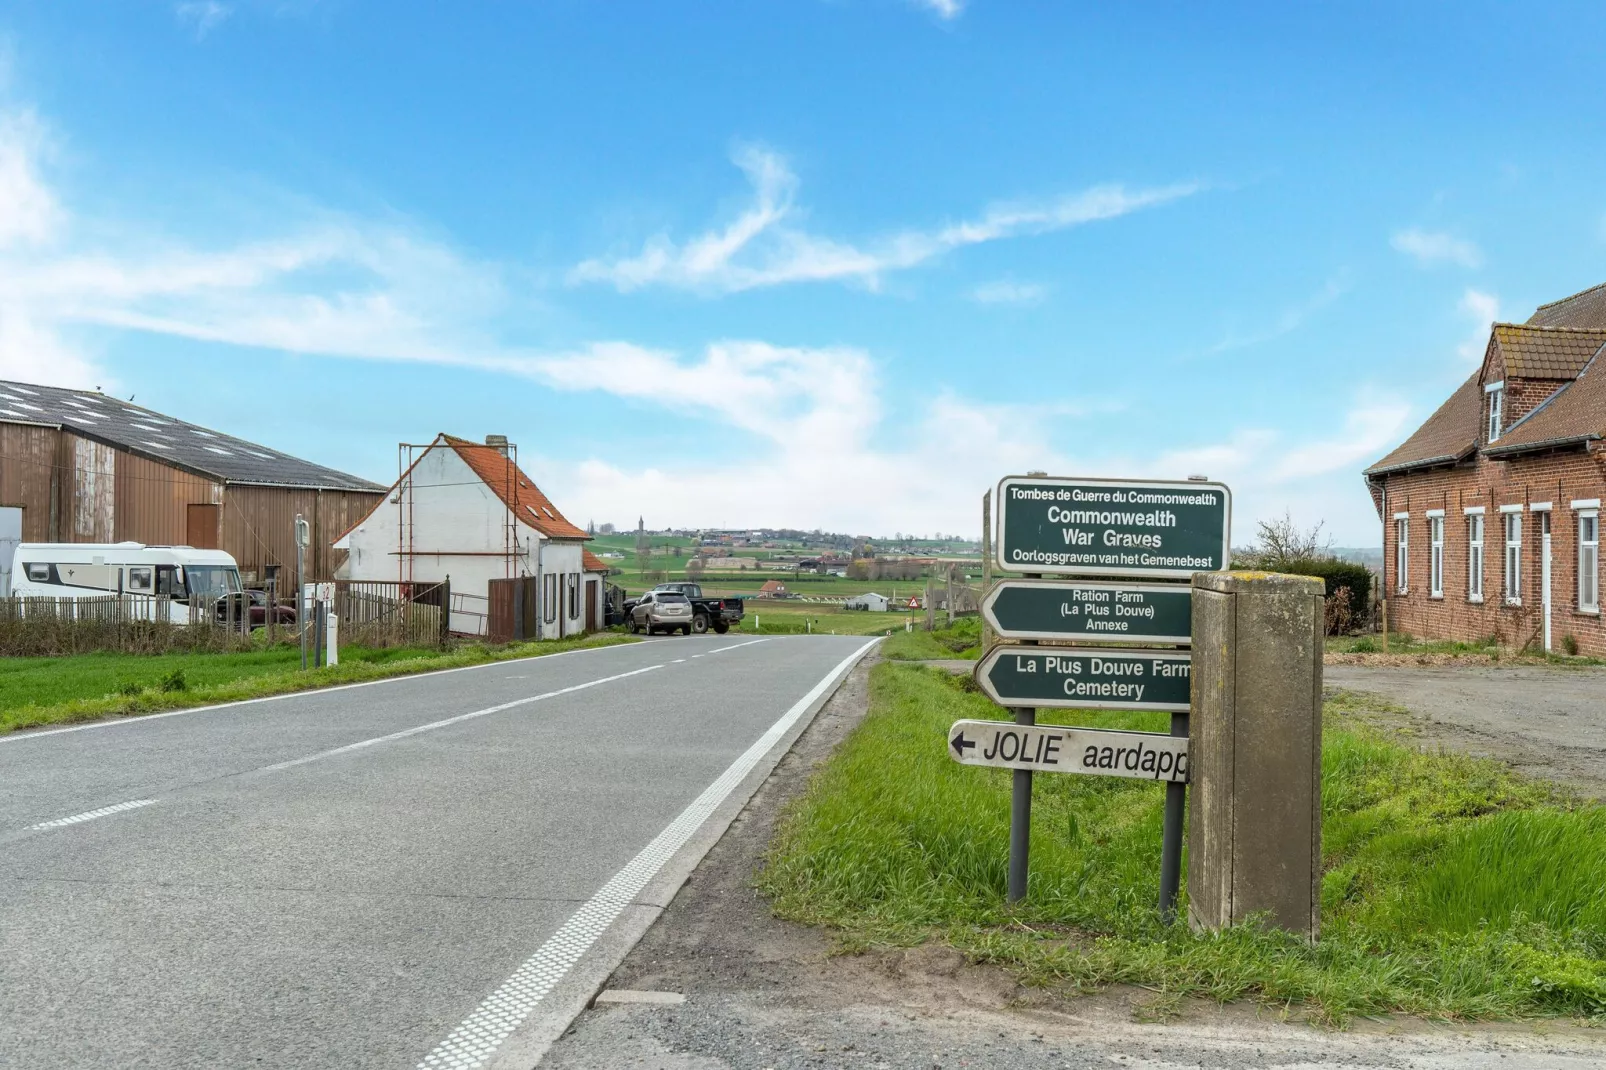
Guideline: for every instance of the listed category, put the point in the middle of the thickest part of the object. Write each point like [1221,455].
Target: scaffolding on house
[408,456]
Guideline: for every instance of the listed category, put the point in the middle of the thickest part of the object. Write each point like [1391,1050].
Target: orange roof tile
[592,563]
[517,490]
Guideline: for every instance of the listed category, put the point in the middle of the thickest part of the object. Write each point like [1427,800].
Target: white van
[166,578]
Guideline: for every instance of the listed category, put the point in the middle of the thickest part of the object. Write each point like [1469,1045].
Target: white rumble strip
[476,1040]
[90,815]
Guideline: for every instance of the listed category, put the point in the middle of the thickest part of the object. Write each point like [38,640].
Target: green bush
[1336,574]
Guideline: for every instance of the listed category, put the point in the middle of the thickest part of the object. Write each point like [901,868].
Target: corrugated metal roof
[163,438]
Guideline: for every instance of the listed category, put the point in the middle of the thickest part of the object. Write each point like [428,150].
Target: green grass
[42,691]
[1486,647]
[788,618]
[963,640]
[1452,888]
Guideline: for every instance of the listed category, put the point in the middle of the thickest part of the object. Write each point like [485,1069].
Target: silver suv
[661,610]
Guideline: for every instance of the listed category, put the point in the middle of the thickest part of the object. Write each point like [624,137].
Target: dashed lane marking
[482,1032]
[459,719]
[90,815]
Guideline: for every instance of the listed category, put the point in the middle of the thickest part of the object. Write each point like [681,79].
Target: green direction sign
[1073,609]
[1086,678]
[1113,527]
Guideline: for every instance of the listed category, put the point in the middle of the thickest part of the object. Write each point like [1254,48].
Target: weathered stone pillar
[1255,750]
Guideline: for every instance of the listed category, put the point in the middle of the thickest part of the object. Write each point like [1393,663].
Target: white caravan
[165,578]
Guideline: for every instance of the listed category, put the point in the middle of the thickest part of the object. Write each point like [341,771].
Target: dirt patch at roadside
[1545,722]
[763,993]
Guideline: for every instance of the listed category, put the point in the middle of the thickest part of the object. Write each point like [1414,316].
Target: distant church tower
[641,535]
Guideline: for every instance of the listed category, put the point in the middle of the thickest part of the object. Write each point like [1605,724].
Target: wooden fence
[379,613]
[126,624]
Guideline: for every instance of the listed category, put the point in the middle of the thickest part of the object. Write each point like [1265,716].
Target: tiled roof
[517,490]
[592,563]
[1447,436]
[183,445]
[1587,308]
[1575,413]
[1532,352]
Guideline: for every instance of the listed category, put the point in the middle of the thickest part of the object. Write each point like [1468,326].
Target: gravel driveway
[1546,722]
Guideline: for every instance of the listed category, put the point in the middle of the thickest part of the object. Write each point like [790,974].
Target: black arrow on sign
[960,744]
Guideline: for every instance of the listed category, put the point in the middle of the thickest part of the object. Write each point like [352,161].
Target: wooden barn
[81,466]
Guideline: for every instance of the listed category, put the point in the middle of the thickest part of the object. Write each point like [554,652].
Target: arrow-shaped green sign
[1077,609]
[1086,678]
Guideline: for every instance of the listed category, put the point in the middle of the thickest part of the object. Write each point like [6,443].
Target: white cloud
[943,9]
[1484,309]
[1290,320]
[1009,292]
[202,16]
[1436,247]
[814,437]
[765,246]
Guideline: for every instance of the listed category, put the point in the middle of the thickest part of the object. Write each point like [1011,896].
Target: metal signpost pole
[1176,794]
[1020,818]
[302,534]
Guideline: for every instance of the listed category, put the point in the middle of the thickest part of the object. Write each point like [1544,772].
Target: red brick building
[1491,509]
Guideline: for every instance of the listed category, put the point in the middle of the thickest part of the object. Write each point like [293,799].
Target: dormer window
[1497,393]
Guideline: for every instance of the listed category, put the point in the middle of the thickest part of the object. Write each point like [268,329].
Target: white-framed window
[549,596]
[1496,393]
[1435,557]
[1475,558]
[1402,556]
[1513,532]
[139,579]
[1589,562]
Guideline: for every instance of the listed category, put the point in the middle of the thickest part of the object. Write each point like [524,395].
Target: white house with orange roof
[467,512]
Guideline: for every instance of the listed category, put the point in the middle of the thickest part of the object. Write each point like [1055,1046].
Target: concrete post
[1255,751]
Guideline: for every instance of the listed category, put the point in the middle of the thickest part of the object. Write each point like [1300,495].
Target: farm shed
[81,466]
[872,602]
[466,511]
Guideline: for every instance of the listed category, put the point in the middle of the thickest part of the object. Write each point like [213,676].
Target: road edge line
[527,1044]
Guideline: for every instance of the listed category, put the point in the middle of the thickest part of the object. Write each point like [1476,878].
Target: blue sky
[816,263]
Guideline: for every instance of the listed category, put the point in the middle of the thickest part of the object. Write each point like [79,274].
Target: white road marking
[24,736]
[678,661]
[493,1021]
[90,815]
[460,718]
[738,646]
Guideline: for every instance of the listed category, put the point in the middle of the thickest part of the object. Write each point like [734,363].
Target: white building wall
[459,531]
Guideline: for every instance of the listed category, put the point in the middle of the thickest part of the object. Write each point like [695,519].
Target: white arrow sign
[1057,749]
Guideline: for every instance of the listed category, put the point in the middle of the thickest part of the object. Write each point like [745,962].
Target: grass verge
[44,691]
[1453,888]
[963,640]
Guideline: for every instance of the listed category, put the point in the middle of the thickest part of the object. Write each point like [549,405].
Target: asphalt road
[399,874]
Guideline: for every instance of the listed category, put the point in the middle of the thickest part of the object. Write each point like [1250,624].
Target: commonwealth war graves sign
[1086,678]
[1108,527]
[1066,609]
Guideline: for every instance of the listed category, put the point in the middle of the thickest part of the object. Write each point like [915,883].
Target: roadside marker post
[1091,534]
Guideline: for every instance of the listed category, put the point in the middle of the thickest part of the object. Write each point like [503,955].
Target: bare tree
[1282,540]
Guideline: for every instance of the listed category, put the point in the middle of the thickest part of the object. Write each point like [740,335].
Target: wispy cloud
[766,246]
[1287,321]
[944,9]
[1484,310]
[824,441]
[202,16]
[1430,248]
[1009,292]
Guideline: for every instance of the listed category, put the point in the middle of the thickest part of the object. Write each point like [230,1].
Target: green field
[1453,888]
[40,691]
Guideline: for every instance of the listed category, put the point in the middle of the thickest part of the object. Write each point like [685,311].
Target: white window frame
[1402,553]
[1475,556]
[1435,553]
[1496,393]
[1589,561]
[1511,536]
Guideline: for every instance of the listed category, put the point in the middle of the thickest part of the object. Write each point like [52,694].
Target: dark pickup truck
[720,614]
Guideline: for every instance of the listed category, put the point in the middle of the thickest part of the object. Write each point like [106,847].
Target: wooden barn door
[200,527]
